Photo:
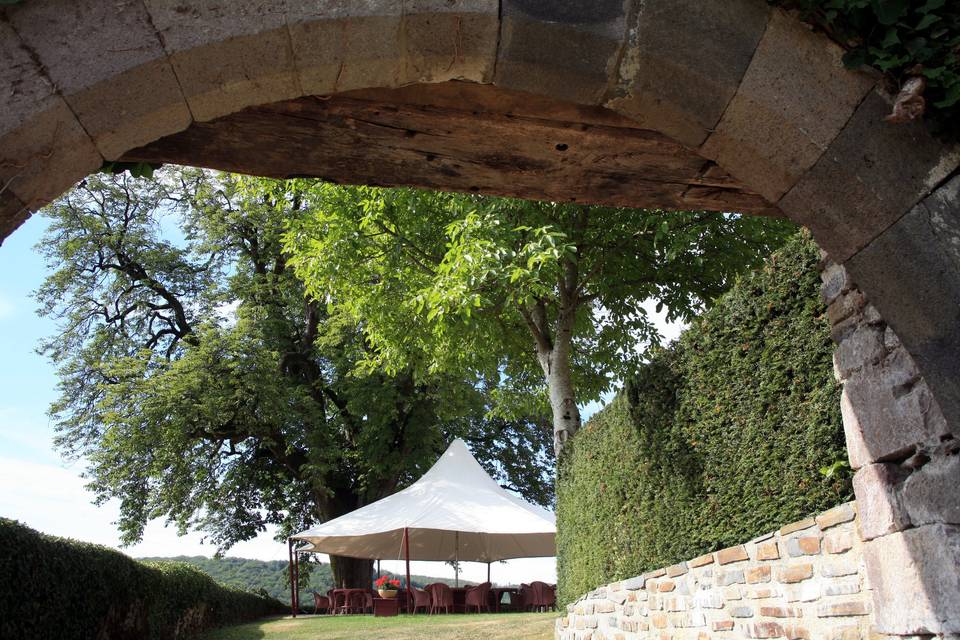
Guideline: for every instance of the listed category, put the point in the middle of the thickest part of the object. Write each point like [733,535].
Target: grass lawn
[504,626]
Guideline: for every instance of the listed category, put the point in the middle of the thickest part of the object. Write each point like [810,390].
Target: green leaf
[889,11]
[926,21]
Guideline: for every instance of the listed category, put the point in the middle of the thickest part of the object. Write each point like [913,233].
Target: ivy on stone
[903,39]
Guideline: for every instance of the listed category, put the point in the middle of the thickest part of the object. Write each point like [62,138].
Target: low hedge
[720,438]
[54,587]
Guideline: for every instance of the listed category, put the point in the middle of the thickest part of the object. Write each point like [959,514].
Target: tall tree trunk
[555,363]
[351,573]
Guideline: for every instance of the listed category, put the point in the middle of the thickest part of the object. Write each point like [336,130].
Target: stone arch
[749,92]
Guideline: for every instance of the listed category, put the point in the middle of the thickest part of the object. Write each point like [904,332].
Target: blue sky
[38,488]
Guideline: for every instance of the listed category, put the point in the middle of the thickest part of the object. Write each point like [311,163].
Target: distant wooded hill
[271,575]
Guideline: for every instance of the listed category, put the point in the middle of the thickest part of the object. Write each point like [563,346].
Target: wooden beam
[448,137]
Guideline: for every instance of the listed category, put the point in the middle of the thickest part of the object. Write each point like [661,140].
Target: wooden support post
[296,578]
[293,598]
[406,556]
[488,572]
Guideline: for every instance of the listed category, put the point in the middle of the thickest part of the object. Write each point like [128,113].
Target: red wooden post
[406,555]
[293,598]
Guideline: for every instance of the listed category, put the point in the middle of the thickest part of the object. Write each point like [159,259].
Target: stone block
[794,99]
[339,46]
[838,515]
[741,612]
[666,586]
[43,149]
[732,592]
[862,345]
[632,584]
[136,108]
[768,551]
[878,487]
[45,156]
[839,567]
[931,494]
[61,33]
[677,570]
[849,632]
[869,176]
[726,578]
[677,603]
[700,561]
[781,612]
[799,525]
[795,573]
[124,94]
[683,62]
[604,606]
[896,270]
[764,630]
[841,609]
[563,49]
[888,412]
[732,554]
[835,282]
[803,546]
[722,625]
[709,599]
[446,40]
[846,306]
[806,591]
[756,575]
[28,92]
[762,593]
[841,588]
[241,57]
[838,542]
[13,213]
[796,632]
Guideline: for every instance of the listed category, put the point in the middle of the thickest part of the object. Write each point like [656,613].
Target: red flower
[383,581]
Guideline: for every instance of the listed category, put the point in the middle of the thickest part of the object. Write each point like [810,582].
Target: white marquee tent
[454,512]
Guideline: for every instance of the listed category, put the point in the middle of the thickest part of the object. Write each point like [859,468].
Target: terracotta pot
[387,593]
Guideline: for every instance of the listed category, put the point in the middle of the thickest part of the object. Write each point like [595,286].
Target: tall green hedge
[720,438]
[54,587]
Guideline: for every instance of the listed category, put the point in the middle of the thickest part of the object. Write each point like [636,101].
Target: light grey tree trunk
[554,359]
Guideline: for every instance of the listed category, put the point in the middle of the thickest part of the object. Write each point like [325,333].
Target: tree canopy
[202,385]
[544,301]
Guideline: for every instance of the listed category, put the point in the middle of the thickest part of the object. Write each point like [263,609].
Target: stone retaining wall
[804,581]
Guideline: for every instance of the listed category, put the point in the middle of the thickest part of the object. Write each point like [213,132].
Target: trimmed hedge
[54,587]
[718,439]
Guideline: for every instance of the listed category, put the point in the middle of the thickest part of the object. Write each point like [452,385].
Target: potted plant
[387,587]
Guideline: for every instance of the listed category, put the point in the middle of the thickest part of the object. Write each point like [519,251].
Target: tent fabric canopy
[454,512]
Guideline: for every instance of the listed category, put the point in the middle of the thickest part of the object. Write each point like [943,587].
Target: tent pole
[456,558]
[293,608]
[378,567]
[406,556]
[296,577]
[488,572]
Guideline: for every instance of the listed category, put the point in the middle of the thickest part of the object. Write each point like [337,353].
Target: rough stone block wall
[805,581]
[907,461]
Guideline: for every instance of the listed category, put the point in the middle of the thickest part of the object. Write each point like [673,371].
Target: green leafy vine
[914,43]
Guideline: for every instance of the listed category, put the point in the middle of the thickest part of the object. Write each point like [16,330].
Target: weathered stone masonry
[907,462]
[806,580]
